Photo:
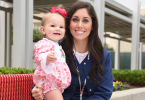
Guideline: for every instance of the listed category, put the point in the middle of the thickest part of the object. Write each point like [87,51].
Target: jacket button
[90,90]
[84,63]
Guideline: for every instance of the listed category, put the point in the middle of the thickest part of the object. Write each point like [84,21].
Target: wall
[125,60]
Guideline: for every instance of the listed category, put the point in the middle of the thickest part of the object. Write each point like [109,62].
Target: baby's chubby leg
[54,95]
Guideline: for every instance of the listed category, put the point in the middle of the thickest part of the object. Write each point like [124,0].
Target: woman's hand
[37,92]
[51,58]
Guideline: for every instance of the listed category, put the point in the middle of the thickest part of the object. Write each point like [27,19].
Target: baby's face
[54,27]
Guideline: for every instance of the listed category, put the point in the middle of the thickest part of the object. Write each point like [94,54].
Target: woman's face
[80,25]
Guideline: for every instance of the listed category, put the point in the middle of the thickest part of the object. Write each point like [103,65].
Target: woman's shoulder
[106,55]
[105,51]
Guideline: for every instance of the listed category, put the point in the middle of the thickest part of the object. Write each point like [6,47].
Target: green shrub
[37,35]
[8,70]
[135,77]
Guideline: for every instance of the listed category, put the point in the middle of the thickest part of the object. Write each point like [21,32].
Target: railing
[16,86]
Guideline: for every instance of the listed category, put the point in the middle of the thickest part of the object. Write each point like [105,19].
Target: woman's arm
[105,88]
[36,92]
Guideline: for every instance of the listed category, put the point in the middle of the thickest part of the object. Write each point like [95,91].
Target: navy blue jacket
[103,91]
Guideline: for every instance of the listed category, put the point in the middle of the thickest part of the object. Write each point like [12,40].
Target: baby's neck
[52,40]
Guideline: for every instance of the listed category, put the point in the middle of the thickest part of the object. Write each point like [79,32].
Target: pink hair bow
[59,10]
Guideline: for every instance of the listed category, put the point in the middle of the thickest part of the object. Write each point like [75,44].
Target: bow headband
[59,10]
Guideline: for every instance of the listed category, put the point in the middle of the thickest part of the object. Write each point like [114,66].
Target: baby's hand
[51,58]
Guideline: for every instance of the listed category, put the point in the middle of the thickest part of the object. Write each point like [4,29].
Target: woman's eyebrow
[83,17]
[75,16]
[87,17]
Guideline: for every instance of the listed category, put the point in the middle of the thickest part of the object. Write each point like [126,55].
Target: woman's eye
[75,19]
[52,25]
[85,20]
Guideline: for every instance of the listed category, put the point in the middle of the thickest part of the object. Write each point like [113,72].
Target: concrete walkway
[130,94]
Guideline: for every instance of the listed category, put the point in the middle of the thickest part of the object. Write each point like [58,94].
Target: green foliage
[8,70]
[120,86]
[107,47]
[37,35]
[135,77]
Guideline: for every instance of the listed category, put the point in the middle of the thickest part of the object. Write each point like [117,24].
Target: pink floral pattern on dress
[62,53]
[60,78]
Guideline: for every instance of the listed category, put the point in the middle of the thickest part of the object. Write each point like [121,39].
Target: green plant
[135,77]
[8,70]
[37,35]
[120,86]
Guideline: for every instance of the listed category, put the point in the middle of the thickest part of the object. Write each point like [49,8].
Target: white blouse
[80,56]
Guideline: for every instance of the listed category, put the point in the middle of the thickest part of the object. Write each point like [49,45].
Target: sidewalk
[130,94]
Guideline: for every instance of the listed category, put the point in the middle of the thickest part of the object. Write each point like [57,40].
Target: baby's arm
[44,50]
[54,95]
[50,57]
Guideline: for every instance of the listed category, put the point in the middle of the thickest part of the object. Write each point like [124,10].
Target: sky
[130,3]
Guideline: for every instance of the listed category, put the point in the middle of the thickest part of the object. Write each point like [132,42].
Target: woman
[89,62]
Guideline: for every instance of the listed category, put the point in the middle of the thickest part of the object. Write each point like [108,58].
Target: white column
[8,39]
[19,20]
[2,36]
[135,35]
[29,34]
[117,54]
[140,57]
[99,6]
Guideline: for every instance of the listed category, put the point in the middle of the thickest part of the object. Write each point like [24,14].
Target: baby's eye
[85,20]
[75,19]
[52,25]
[61,27]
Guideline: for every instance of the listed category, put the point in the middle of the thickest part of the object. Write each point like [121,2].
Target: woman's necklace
[81,90]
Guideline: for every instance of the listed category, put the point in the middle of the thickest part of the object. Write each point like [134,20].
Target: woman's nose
[80,24]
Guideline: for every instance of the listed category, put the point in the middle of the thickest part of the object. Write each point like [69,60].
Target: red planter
[16,86]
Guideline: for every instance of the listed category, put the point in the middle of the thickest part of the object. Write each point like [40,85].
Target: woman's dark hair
[94,43]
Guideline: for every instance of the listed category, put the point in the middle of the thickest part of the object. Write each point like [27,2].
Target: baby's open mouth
[57,33]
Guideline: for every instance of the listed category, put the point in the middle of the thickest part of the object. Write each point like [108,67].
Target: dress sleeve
[105,88]
[40,48]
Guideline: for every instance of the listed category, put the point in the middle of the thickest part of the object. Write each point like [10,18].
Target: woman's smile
[80,32]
